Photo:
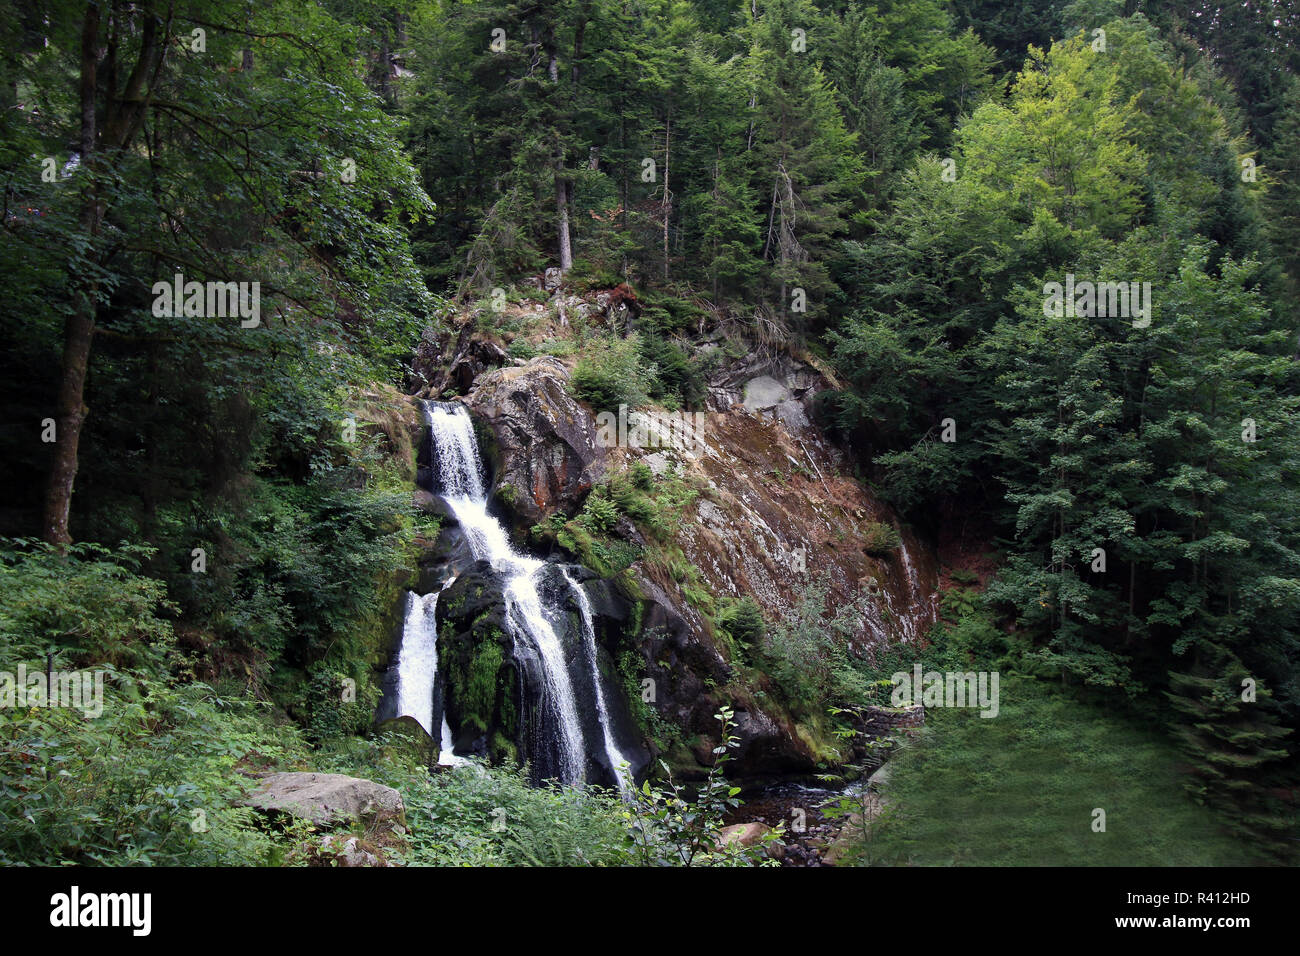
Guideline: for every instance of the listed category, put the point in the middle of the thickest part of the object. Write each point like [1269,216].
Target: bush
[743,620]
[88,605]
[490,816]
[675,375]
[879,539]
[805,653]
[599,513]
[609,374]
[153,779]
[641,476]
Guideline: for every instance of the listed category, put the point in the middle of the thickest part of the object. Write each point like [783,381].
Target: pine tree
[809,172]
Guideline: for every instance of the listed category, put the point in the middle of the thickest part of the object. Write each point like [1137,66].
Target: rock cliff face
[776,511]
[546,450]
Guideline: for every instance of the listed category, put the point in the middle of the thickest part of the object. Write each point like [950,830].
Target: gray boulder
[328,798]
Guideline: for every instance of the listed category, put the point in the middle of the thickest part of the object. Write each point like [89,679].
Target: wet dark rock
[546,454]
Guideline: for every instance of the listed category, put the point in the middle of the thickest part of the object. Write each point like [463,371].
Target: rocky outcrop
[479,356]
[778,513]
[775,511]
[450,360]
[328,798]
[546,455]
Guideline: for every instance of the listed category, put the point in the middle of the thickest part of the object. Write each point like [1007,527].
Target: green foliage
[599,512]
[674,377]
[880,539]
[1020,790]
[609,374]
[474,688]
[742,620]
[86,605]
[806,653]
[490,816]
[1141,528]
[669,830]
[152,779]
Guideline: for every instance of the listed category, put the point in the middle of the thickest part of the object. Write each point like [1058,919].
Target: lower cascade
[569,727]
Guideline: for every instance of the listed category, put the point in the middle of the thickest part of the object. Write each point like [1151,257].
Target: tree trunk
[123,113]
[562,212]
[79,327]
[561,176]
[667,207]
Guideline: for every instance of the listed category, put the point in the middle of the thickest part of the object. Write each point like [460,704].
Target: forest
[984,317]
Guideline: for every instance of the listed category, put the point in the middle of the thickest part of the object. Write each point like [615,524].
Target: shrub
[675,375]
[609,374]
[880,539]
[490,816]
[599,514]
[743,620]
[641,476]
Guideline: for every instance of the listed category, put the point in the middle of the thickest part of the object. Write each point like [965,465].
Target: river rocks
[808,836]
[746,834]
[336,850]
[328,798]
[546,452]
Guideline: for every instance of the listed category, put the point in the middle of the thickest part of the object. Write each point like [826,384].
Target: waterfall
[417,668]
[920,608]
[417,660]
[459,479]
[618,763]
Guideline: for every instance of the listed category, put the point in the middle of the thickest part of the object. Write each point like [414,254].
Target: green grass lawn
[1020,789]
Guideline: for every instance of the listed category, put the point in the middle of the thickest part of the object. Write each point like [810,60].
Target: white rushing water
[461,485]
[417,669]
[417,661]
[617,761]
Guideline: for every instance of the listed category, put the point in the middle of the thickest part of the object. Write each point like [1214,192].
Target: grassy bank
[1021,789]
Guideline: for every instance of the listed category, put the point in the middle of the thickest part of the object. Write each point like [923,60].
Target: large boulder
[745,834]
[546,451]
[328,798]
